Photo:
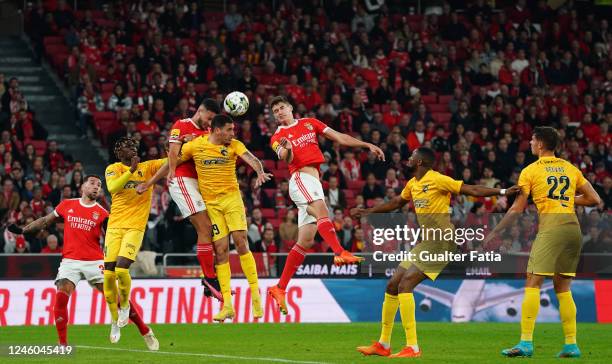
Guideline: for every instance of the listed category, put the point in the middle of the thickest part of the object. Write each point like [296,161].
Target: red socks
[137,320]
[60,311]
[294,260]
[328,232]
[206,259]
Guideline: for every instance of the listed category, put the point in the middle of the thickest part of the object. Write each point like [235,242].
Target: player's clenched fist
[285,143]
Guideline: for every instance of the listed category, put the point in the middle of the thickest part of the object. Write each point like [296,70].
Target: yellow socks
[125,285]
[110,293]
[407,312]
[531,306]
[567,310]
[247,262]
[389,310]
[224,276]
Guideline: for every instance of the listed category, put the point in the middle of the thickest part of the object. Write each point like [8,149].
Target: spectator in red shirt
[591,130]
[392,117]
[146,127]
[54,158]
[418,136]
[52,246]
[350,167]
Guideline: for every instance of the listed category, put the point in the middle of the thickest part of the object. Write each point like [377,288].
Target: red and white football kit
[185,191]
[82,256]
[303,187]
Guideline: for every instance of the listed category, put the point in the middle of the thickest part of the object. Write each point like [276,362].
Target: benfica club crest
[95,215]
[309,126]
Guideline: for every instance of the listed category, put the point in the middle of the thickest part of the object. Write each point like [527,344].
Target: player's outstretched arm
[161,173]
[519,205]
[35,226]
[482,191]
[348,141]
[391,205]
[588,196]
[257,166]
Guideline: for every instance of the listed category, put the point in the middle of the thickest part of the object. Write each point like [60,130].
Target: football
[236,103]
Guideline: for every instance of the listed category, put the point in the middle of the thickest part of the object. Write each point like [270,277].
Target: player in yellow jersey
[555,186]
[214,156]
[126,225]
[430,193]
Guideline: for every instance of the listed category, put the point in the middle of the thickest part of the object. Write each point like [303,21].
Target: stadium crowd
[469,82]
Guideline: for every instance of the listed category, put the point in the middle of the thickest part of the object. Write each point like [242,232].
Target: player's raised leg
[307,193]
[295,258]
[60,310]
[529,314]
[249,267]
[205,253]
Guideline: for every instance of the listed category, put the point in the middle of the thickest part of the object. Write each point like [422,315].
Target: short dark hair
[211,105]
[278,100]
[547,135]
[427,155]
[219,121]
[92,176]
[124,142]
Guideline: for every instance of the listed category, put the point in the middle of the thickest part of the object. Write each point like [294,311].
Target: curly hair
[124,142]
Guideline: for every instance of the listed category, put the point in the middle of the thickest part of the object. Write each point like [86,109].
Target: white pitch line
[219,356]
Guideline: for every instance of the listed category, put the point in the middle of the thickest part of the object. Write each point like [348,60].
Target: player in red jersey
[82,256]
[296,141]
[184,190]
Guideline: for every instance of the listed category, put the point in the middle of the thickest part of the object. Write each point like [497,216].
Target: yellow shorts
[556,251]
[122,242]
[226,214]
[431,269]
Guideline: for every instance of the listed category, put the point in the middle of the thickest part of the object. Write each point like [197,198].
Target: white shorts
[303,189]
[186,194]
[75,270]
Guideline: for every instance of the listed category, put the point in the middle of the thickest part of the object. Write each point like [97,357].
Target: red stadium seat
[429,99]
[269,164]
[442,118]
[445,99]
[355,185]
[105,115]
[268,213]
[348,193]
[270,192]
[438,108]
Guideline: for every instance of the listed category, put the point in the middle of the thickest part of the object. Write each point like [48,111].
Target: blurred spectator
[288,229]
[52,246]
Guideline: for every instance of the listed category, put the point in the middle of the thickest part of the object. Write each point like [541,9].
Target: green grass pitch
[305,343]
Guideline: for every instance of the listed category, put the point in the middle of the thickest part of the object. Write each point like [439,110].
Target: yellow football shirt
[431,198]
[552,184]
[215,164]
[432,193]
[128,208]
